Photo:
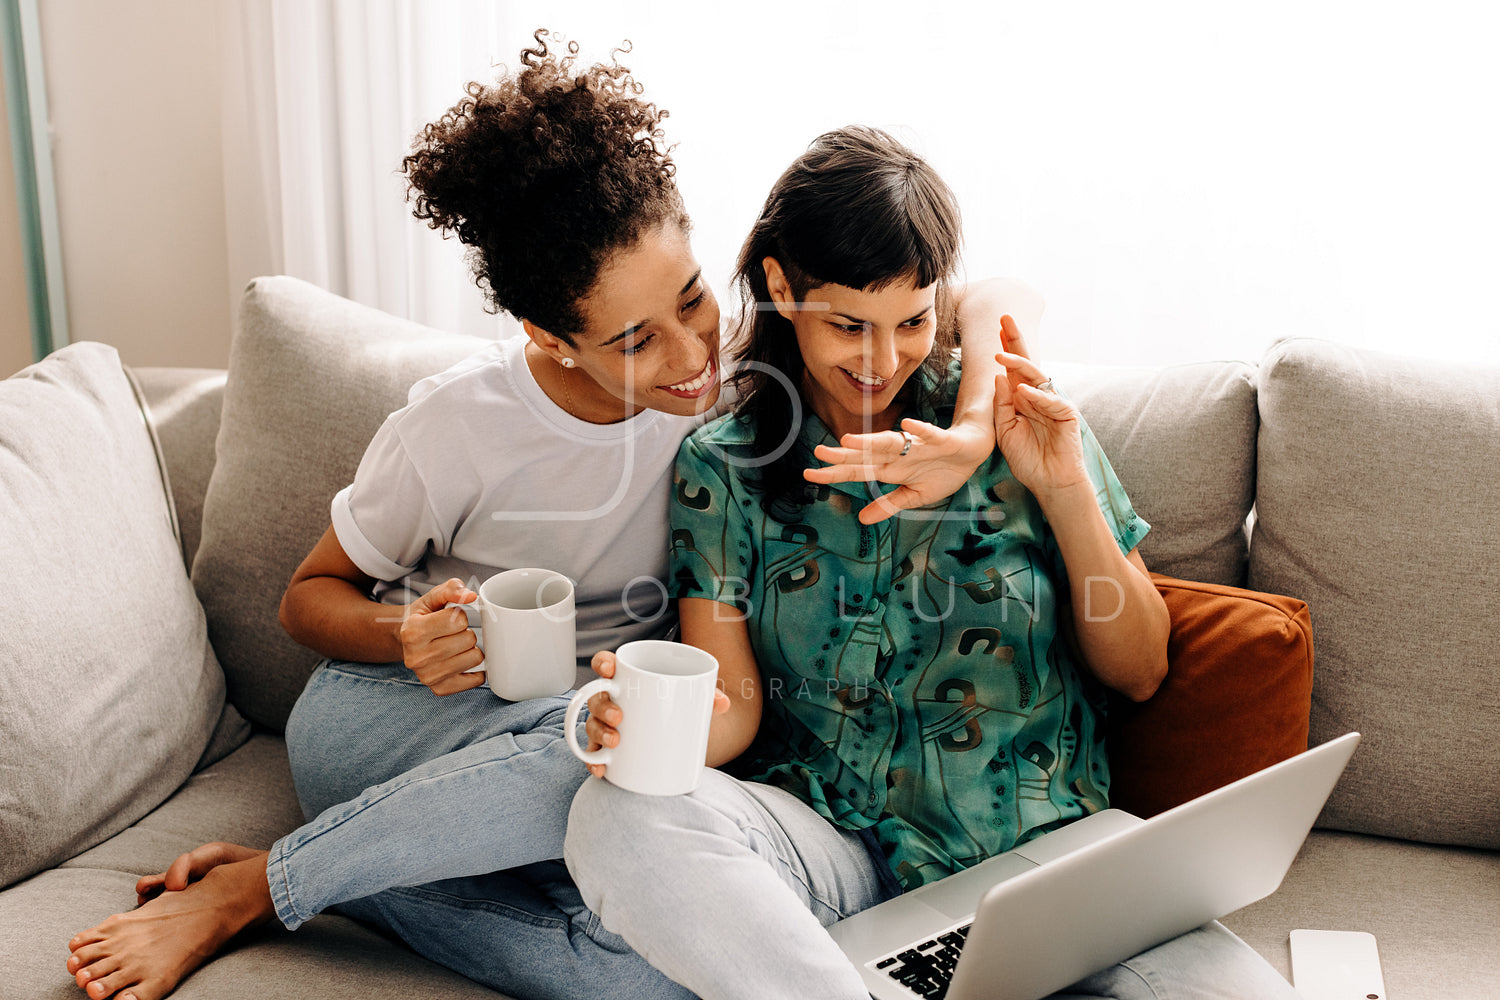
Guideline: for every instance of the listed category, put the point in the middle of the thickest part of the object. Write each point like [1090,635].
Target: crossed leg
[452,774]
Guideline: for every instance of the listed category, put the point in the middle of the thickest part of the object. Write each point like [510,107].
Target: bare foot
[144,954]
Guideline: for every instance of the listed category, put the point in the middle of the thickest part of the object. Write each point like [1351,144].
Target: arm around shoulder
[981,304]
[980,313]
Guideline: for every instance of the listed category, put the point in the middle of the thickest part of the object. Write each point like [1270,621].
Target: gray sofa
[141,716]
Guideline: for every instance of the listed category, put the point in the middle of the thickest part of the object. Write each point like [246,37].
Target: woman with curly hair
[441,819]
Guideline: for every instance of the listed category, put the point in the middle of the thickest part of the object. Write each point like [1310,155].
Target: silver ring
[907,446]
[1046,386]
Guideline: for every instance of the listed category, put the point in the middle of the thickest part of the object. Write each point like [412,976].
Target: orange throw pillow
[1236,697]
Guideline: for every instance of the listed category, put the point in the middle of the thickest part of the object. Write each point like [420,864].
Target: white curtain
[322,99]
[1181,180]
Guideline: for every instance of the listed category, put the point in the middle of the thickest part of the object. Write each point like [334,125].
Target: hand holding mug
[650,712]
[605,715]
[529,617]
[436,642]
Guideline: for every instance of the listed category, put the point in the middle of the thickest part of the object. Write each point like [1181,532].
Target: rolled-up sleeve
[384,519]
[1125,524]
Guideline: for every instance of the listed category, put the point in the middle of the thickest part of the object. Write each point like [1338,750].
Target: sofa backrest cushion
[109,689]
[1182,441]
[311,378]
[1235,699]
[1376,505]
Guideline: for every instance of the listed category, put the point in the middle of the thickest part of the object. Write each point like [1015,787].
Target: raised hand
[436,642]
[937,464]
[1036,429]
[927,467]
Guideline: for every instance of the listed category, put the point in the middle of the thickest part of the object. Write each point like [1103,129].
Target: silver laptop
[1028,922]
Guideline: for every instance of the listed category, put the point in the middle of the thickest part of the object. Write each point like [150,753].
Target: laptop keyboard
[927,968]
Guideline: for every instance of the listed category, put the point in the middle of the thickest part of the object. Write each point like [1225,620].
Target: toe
[86,955]
[96,970]
[82,938]
[99,989]
[143,990]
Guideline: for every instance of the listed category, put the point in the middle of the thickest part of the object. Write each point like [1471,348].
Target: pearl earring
[568,362]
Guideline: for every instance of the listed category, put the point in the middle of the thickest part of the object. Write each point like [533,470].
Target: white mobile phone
[1336,965]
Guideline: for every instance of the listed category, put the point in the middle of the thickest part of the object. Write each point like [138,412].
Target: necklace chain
[568,393]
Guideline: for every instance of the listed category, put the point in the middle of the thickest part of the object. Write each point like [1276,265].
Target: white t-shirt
[482,472]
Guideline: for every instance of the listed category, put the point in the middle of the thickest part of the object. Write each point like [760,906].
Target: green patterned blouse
[915,683]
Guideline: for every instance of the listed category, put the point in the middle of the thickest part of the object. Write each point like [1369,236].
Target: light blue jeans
[727,891]
[441,820]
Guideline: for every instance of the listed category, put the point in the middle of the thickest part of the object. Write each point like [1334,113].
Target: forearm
[730,734]
[979,333]
[980,306]
[335,618]
[1119,618]
[720,629]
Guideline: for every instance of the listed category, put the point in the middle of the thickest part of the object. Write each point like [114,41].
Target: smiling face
[650,337]
[859,347]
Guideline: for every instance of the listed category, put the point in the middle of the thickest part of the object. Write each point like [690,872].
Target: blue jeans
[728,889]
[441,821]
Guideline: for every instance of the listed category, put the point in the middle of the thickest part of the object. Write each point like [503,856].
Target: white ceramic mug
[666,692]
[527,633]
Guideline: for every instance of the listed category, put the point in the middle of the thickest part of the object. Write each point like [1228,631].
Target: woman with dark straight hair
[904,699]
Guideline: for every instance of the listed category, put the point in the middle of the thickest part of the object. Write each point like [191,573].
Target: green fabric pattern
[915,682]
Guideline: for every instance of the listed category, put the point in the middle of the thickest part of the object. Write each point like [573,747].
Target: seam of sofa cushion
[1258,597]
[161,458]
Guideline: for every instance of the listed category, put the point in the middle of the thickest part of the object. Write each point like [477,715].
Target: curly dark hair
[544,175]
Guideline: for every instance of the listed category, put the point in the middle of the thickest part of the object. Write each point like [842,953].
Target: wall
[133,90]
[15,322]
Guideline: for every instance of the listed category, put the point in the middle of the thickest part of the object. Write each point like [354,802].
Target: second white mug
[666,692]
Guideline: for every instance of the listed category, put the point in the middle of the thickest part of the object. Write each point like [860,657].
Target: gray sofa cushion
[1376,506]
[1432,911]
[311,377]
[109,690]
[1182,440]
[247,798]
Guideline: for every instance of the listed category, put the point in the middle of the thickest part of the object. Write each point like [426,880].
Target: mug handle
[478,631]
[570,721]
